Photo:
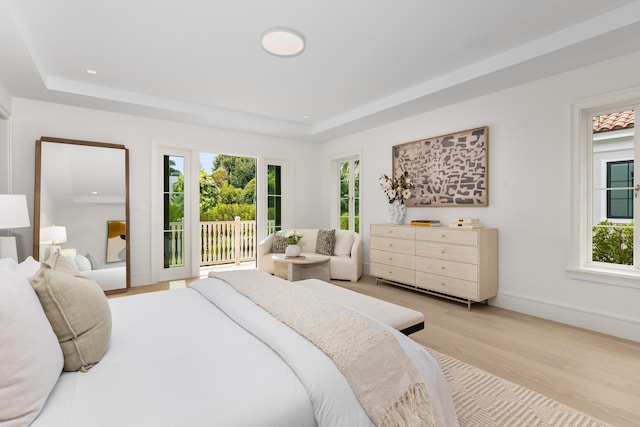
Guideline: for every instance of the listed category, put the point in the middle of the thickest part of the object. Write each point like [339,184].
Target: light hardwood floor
[595,373]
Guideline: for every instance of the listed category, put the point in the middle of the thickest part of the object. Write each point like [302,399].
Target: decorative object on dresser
[426,223]
[458,264]
[450,170]
[466,223]
[397,191]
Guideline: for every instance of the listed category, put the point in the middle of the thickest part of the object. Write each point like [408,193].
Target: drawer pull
[443,236]
[442,268]
[443,251]
[390,259]
[442,284]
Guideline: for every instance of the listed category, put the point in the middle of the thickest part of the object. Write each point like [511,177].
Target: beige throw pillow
[78,311]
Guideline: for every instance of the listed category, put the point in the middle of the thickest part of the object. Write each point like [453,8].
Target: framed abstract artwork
[116,241]
[448,170]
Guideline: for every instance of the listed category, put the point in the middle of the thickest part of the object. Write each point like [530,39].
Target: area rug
[484,400]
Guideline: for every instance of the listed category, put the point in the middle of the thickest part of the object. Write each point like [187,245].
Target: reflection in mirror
[81,193]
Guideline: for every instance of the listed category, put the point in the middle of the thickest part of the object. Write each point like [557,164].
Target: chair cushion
[78,311]
[325,242]
[343,243]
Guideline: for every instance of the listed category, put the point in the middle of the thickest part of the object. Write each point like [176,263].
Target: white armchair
[345,263]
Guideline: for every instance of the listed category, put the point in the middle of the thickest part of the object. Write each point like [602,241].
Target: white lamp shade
[14,212]
[53,234]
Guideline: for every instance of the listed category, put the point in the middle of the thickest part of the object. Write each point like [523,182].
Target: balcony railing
[221,242]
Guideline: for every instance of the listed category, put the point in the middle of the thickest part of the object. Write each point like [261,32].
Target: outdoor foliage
[229,191]
[613,243]
[224,193]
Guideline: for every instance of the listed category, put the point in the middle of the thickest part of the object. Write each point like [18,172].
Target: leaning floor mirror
[81,208]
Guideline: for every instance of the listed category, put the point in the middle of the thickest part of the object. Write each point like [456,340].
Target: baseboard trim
[606,323]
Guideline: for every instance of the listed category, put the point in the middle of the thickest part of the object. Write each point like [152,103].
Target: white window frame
[336,192]
[580,264]
[285,189]
[191,267]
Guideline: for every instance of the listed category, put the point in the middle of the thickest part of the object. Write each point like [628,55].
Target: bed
[209,355]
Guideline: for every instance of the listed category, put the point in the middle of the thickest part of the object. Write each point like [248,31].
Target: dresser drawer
[393,245]
[447,285]
[398,274]
[468,254]
[459,270]
[393,258]
[398,232]
[448,235]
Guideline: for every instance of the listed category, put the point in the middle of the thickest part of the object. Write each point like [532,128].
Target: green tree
[230,194]
[176,200]
[249,192]
[209,192]
[240,170]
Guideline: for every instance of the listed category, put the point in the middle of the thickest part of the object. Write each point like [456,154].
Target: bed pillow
[78,311]
[325,242]
[28,268]
[71,260]
[279,244]
[83,263]
[93,261]
[29,350]
[344,241]
[8,263]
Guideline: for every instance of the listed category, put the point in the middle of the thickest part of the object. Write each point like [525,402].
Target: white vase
[292,250]
[397,212]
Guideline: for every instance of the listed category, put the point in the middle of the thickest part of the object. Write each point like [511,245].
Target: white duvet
[178,359]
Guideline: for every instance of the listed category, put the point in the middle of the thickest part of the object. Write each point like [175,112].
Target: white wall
[33,119]
[5,111]
[529,189]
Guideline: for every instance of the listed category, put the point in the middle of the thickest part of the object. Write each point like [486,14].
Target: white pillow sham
[30,354]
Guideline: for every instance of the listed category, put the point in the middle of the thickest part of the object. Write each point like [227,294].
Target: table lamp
[14,213]
[50,236]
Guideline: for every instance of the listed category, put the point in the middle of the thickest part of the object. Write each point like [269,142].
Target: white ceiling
[366,62]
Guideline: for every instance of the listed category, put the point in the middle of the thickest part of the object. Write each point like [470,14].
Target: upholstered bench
[398,317]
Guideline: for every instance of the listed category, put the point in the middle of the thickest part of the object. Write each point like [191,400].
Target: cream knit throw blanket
[381,375]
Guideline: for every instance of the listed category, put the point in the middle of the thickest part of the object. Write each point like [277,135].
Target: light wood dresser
[458,264]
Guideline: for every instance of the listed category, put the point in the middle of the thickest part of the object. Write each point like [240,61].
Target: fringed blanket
[378,370]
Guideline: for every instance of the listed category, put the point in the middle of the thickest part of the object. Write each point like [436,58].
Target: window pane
[620,202]
[274,199]
[612,180]
[173,201]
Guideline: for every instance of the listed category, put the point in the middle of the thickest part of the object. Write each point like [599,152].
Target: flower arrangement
[398,188]
[292,237]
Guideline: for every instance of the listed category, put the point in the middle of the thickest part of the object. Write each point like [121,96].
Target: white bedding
[176,359]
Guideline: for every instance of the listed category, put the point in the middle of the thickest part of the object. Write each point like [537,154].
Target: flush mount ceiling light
[283,42]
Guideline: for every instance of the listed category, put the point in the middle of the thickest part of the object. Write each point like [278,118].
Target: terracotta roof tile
[615,121]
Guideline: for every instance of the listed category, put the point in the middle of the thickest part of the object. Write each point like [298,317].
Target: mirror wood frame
[37,196]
